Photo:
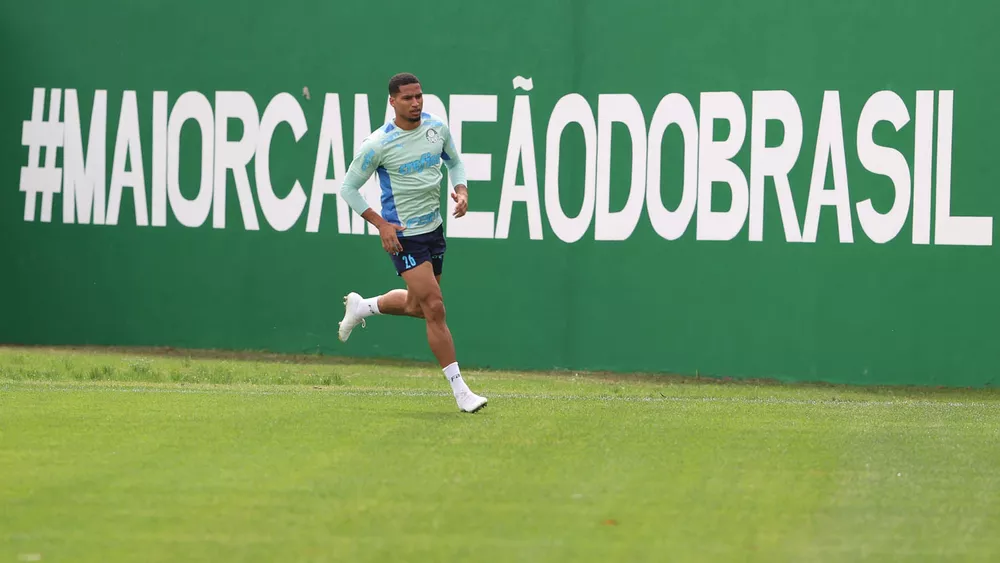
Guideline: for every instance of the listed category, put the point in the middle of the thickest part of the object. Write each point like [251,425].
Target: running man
[407,153]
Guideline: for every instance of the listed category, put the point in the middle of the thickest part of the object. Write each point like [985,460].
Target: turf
[127,457]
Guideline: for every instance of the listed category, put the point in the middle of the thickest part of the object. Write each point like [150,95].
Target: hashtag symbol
[35,134]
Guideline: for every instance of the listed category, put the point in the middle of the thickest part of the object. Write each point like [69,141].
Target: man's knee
[414,309]
[433,308]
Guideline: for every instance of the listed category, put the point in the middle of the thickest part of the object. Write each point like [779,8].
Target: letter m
[84,180]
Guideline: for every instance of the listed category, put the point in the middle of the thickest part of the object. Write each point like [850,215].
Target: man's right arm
[361,169]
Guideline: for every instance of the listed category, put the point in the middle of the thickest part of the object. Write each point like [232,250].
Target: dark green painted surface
[860,312]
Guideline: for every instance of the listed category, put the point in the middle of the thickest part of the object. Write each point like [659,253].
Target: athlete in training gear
[407,154]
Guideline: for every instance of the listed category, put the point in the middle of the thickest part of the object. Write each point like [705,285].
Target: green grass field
[122,456]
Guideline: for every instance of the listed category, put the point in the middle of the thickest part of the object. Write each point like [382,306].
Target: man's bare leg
[424,288]
[397,302]
[400,302]
[424,293]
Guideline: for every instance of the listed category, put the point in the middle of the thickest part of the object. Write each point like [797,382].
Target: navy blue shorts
[417,249]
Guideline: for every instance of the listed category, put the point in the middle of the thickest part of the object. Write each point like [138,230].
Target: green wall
[877,289]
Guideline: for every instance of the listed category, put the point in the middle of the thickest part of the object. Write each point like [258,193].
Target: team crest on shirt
[433,136]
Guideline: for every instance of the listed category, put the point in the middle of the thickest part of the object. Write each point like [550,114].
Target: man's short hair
[401,79]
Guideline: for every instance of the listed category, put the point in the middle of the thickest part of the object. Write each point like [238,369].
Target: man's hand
[461,197]
[390,242]
[386,230]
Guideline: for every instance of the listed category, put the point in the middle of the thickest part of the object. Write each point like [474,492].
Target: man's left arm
[456,173]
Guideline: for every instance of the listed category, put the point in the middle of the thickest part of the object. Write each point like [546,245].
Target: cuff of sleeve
[458,177]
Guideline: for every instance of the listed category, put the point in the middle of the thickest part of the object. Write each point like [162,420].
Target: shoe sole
[477,409]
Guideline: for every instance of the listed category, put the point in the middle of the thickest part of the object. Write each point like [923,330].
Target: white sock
[454,377]
[368,307]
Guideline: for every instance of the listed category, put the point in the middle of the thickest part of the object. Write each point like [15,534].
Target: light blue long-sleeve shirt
[408,164]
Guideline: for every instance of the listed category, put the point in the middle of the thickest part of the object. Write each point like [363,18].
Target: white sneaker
[351,317]
[469,401]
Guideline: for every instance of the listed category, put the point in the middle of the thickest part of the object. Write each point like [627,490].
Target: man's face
[409,102]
